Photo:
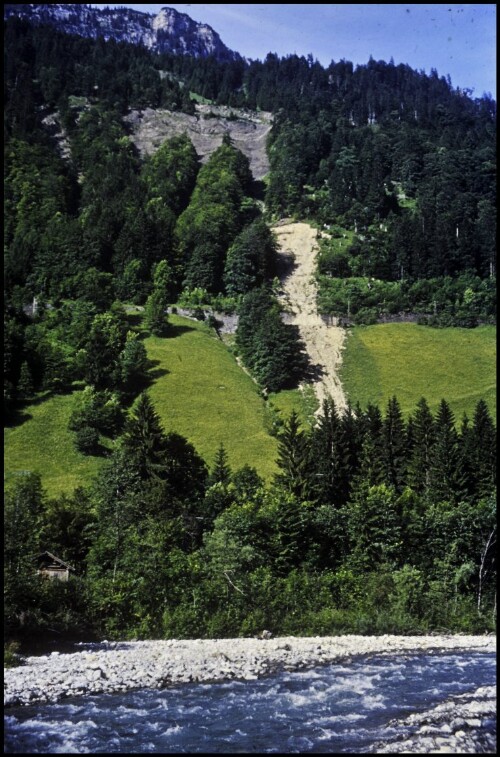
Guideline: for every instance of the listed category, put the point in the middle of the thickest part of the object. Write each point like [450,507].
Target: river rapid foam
[424,701]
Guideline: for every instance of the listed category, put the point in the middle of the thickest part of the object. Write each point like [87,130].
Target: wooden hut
[50,566]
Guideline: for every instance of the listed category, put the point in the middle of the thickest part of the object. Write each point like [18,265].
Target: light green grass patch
[412,361]
[302,400]
[205,396]
[42,443]
[200,99]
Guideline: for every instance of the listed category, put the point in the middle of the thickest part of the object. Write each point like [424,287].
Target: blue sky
[456,40]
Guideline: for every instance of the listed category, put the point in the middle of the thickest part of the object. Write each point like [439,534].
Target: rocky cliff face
[168,31]
[248,131]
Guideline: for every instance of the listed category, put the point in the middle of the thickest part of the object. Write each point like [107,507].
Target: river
[361,706]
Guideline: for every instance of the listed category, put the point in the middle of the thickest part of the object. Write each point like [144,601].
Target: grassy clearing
[302,400]
[414,361]
[42,443]
[200,99]
[198,390]
[202,393]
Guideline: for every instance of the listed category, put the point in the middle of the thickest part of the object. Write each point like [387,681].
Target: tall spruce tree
[420,460]
[221,471]
[294,459]
[371,467]
[325,455]
[447,479]
[144,440]
[349,451]
[394,445]
[485,446]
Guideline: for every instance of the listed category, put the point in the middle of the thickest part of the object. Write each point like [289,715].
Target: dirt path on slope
[323,343]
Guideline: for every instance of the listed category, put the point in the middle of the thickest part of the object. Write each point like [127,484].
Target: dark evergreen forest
[374,523]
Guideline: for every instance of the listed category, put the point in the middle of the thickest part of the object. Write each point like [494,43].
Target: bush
[99,410]
[366,317]
[87,440]
[11,656]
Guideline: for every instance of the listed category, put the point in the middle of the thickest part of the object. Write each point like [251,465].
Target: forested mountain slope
[375,521]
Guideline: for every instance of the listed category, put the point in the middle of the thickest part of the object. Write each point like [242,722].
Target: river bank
[112,667]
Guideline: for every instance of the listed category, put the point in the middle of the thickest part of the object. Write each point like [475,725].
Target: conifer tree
[371,466]
[133,361]
[394,445]
[485,446]
[325,455]
[294,459]
[468,456]
[155,315]
[218,496]
[143,439]
[221,471]
[447,479]
[25,384]
[421,454]
[349,451]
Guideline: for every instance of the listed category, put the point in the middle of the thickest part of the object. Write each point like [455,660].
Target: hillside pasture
[41,442]
[201,392]
[198,390]
[412,361]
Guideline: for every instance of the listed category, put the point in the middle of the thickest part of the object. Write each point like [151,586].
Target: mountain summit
[167,32]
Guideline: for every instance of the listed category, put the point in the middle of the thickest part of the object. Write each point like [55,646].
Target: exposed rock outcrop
[166,32]
[248,131]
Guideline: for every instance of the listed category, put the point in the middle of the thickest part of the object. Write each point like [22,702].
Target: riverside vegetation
[367,520]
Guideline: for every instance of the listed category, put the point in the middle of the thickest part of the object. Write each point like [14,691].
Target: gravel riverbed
[111,667]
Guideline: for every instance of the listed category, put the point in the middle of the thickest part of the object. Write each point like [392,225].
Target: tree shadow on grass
[142,384]
[18,415]
[174,330]
[134,319]
[100,450]
[155,374]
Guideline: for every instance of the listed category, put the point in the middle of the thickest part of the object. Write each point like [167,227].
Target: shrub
[366,317]
[99,410]
[11,656]
[87,440]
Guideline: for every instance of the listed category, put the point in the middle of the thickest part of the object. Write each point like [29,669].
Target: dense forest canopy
[398,157]
[374,523]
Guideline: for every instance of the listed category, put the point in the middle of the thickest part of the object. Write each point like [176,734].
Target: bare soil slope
[247,129]
[323,343]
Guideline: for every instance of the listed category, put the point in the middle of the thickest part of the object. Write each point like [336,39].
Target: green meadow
[202,393]
[41,442]
[199,390]
[303,401]
[412,361]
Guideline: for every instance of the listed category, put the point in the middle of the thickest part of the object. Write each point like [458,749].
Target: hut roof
[54,559]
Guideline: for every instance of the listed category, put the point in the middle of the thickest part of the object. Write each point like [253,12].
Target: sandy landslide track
[323,343]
